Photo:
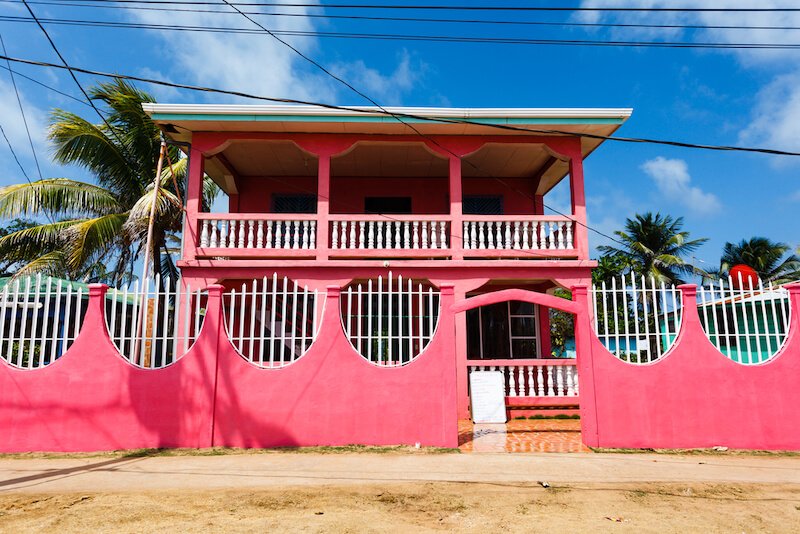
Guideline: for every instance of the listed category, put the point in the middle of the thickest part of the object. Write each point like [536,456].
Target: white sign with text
[487,396]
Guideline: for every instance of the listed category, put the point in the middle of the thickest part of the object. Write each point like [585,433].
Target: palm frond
[61,196]
[91,237]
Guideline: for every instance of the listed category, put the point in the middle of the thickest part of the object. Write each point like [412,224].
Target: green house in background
[748,327]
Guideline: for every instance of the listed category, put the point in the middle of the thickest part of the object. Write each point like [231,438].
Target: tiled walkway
[522,435]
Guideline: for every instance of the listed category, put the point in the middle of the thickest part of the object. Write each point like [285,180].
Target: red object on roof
[744,277]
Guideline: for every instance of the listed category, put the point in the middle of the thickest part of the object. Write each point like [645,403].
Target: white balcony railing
[531,378]
[542,233]
[390,233]
[377,236]
[240,231]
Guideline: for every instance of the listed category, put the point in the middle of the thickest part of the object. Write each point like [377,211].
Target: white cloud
[795,197]
[386,89]
[260,64]
[776,116]
[253,63]
[674,182]
[14,128]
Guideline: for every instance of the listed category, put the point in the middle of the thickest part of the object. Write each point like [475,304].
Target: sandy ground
[401,492]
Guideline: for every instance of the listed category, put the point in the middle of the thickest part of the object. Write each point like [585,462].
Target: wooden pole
[143,309]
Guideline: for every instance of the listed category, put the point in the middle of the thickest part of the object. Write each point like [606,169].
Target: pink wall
[694,396]
[92,399]
[428,195]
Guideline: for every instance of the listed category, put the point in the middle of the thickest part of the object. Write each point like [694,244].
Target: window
[282,203]
[397,205]
[482,205]
[505,330]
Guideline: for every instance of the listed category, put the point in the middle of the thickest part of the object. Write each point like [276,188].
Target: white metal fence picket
[273,321]
[40,317]
[390,321]
[637,319]
[747,324]
[154,323]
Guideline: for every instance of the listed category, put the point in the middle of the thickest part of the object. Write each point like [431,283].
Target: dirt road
[401,492]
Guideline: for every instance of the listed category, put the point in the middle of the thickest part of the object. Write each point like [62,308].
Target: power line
[14,154]
[242,94]
[412,37]
[430,7]
[22,111]
[418,19]
[74,78]
[42,84]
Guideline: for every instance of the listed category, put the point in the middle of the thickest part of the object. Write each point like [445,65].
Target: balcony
[378,200]
[432,237]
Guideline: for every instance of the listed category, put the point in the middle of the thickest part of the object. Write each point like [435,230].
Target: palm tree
[763,255]
[655,245]
[97,231]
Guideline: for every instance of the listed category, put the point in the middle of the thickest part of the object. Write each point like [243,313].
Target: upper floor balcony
[325,188]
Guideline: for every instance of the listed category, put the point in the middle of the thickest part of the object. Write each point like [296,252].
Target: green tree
[97,231]
[767,257]
[8,265]
[655,245]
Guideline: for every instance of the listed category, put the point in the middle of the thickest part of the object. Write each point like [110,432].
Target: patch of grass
[557,416]
[225,451]
[697,452]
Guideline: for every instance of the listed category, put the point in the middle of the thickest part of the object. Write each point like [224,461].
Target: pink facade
[93,399]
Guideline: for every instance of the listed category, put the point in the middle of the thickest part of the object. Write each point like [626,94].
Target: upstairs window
[282,203]
[482,205]
[396,205]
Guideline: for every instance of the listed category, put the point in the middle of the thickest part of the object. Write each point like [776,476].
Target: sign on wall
[487,396]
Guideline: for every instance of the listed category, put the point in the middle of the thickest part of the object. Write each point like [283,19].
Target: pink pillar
[323,205]
[578,202]
[545,344]
[538,204]
[194,204]
[585,362]
[456,211]
[462,375]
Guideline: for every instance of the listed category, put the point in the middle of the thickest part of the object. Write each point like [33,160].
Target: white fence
[539,379]
[271,322]
[392,235]
[258,233]
[637,319]
[39,319]
[390,321]
[554,234]
[746,322]
[153,324]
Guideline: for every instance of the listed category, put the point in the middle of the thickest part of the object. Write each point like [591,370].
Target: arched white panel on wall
[40,317]
[271,321]
[154,323]
[390,321]
[635,318]
[747,322]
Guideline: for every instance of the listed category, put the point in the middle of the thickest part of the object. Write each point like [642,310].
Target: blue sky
[704,96]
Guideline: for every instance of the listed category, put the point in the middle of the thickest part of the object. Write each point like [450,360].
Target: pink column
[462,375]
[578,202]
[323,205]
[456,212]
[545,344]
[194,203]
[585,361]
